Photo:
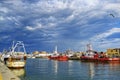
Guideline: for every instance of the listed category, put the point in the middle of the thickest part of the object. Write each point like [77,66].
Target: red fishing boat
[57,56]
[54,57]
[62,58]
[95,57]
[104,59]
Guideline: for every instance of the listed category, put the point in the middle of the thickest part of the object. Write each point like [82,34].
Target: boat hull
[16,64]
[106,59]
[53,57]
[62,58]
[59,58]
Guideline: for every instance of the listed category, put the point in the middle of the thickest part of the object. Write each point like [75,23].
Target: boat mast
[90,50]
[55,50]
[89,47]
[13,45]
[12,50]
[24,48]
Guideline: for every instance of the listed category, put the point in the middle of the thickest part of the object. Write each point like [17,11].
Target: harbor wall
[6,74]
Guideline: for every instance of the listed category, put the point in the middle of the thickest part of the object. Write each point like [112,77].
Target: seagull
[112,15]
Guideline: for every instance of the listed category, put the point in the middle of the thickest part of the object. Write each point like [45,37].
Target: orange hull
[60,58]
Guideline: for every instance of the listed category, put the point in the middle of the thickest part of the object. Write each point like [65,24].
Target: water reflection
[91,70]
[55,66]
[103,70]
[114,64]
[18,72]
[40,69]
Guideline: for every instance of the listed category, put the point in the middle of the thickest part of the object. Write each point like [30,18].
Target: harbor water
[44,69]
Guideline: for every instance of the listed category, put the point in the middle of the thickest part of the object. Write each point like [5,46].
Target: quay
[6,74]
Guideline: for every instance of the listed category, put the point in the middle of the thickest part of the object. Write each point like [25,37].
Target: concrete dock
[6,74]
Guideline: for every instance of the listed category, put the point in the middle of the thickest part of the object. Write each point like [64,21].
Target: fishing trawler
[16,57]
[57,56]
[93,56]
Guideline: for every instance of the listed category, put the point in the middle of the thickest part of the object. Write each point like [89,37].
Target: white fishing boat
[16,57]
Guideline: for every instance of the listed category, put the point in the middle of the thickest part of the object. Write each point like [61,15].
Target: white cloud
[113,43]
[2,18]
[30,28]
[56,16]
[82,4]
[112,6]
[33,28]
[70,18]
[51,6]
[52,19]
[11,18]
[14,2]
[106,34]
[50,25]
[4,37]
[4,9]
[100,42]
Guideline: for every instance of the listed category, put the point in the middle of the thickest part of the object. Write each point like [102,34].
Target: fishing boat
[62,58]
[95,57]
[16,57]
[98,59]
[54,55]
[57,56]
